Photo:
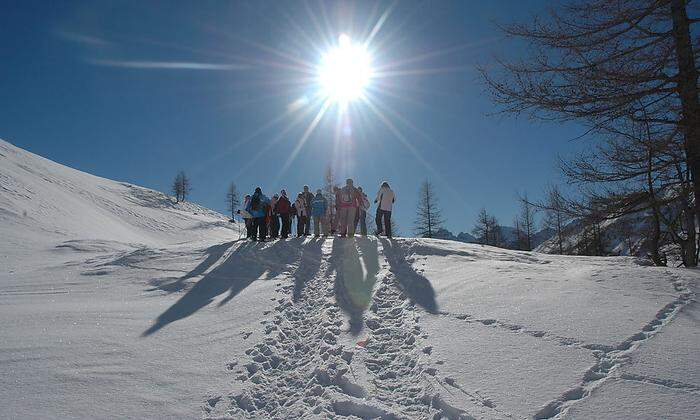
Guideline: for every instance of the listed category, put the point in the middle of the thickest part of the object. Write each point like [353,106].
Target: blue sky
[135,91]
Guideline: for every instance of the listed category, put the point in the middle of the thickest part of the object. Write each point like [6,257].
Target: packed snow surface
[117,302]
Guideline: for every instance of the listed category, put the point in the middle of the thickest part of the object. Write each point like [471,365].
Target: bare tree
[608,62]
[181,186]
[526,222]
[487,230]
[556,215]
[428,215]
[232,199]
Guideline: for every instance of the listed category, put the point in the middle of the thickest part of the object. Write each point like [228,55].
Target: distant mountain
[509,233]
[461,237]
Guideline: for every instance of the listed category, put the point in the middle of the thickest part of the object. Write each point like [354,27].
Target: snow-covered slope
[620,236]
[192,322]
[42,201]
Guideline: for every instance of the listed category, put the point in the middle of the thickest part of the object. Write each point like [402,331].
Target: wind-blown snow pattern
[119,303]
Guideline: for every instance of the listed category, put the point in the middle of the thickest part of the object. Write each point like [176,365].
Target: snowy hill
[42,200]
[122,304]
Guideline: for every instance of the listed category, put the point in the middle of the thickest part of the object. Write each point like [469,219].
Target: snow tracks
[343,341]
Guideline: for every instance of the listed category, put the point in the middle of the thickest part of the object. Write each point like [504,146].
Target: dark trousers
[286,225]
[301,222]
[259,228]
[248,228]
[307,225]
[274,226]
[384,219]
[361,219]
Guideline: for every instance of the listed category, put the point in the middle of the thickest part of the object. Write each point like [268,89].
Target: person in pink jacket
[347,199]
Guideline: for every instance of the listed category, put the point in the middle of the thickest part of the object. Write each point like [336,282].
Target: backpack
[365,202]
[255,203]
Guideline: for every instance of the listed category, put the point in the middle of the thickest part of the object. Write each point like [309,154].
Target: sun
[345,71]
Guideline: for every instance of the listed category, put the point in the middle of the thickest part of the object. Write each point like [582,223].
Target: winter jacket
[308,198]
[364,202]
[348,197]
[385,198]
[319,206]
[260,210]
[302,211]
[283,205]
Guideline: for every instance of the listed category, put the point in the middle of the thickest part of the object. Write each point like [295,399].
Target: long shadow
[214,254]
[310,264]
[356,274]
[416,286]
[246,264]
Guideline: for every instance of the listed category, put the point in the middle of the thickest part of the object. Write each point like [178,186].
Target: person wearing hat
[257,207]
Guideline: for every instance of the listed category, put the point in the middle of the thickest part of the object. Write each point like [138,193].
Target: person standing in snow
[284,209]
[257,207]
[348,202]
[335,223]
[308,198]
[319,205]
[302,214]
[362,211]
[248,221]
[274,228]
[385,203]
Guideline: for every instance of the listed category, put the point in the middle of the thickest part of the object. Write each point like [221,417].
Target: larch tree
[487,230]
[603,62]
[181,186]
[526,222]
[556,215]
[428,215]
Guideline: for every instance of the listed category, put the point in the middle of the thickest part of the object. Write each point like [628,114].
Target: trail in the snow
[611,359]
[304,366]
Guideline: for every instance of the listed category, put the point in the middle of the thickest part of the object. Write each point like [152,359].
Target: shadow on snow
[356,273]
[416,286]
[247,263]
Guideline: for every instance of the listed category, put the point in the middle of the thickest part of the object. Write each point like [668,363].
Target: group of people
[273,217]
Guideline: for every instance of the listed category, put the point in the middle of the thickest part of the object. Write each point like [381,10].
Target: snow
[119,303]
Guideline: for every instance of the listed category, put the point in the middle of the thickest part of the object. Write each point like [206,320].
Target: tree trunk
[688,90]
[656,222]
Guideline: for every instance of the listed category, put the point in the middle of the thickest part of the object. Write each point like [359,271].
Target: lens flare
[345,71]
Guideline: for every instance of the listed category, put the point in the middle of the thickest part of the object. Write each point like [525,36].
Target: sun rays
[331,64]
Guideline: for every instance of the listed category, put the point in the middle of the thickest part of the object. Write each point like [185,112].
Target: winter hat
[284,193]
[385,184]
[348,181]
[258,190]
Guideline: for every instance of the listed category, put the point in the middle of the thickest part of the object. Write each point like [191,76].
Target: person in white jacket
[385,204]
[302,214]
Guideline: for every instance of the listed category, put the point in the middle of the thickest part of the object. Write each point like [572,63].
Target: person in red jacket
[284,209]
